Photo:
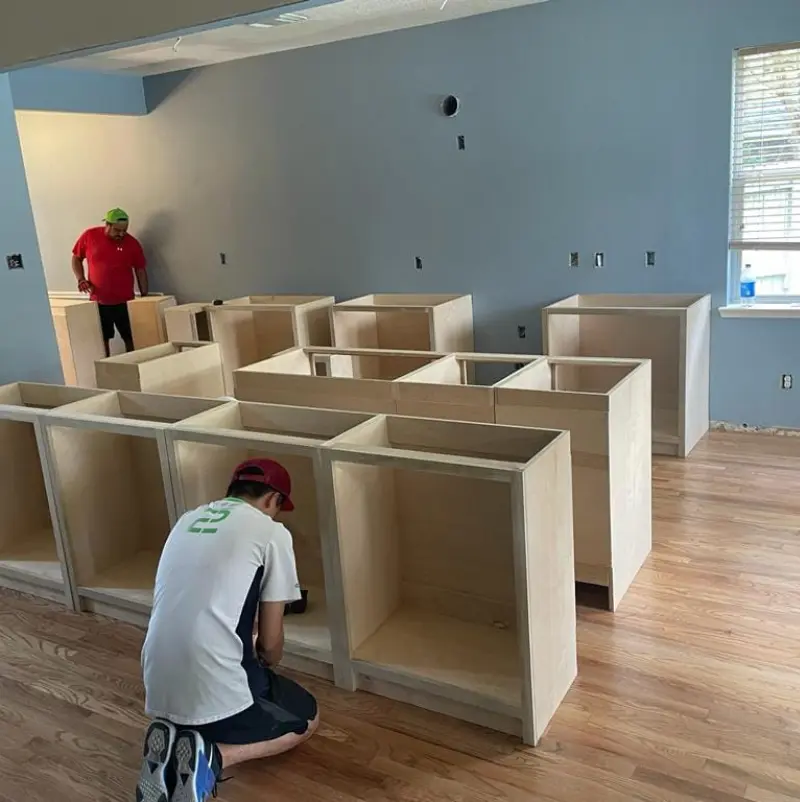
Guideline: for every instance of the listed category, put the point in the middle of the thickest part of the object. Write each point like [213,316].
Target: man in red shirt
[113,256]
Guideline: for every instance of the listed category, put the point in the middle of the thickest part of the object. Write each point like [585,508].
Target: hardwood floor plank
[689,693]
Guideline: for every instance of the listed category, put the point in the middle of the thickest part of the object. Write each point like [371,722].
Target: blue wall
[590,125]
[28,345]
[54,89]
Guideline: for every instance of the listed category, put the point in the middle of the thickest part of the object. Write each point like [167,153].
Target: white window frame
[735,254]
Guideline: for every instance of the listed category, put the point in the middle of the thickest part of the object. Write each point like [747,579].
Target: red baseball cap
[270,473]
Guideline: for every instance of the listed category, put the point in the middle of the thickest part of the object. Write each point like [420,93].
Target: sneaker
[196,773]
[158,745]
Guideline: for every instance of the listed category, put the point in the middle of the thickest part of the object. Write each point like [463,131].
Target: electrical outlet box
[649,258]
[14,261]
[786,381]
[522,332]
[599,259]
[418,262]
[462,145]
[574,259]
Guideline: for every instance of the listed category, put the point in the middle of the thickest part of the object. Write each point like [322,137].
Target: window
[765,172]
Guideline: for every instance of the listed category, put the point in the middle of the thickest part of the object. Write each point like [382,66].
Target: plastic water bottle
[747,286]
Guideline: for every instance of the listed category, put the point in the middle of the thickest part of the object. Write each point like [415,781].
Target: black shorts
[115,316]
[285,707]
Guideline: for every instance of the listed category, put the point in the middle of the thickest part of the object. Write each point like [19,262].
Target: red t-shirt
[111,264]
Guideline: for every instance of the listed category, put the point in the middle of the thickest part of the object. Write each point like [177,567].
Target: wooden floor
[690,692]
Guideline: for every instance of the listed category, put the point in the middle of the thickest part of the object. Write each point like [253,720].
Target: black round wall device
[450,106]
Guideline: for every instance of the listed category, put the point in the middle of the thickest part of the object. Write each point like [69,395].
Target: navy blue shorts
[284,707]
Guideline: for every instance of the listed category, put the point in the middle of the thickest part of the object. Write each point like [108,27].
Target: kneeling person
[215,635]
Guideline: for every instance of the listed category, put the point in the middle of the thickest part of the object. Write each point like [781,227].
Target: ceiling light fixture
[291,16]
[260,25]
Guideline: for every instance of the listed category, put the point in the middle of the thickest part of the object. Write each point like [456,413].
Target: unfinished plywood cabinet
[113,494]
[204,451]
[80,341]
[175,368]
[253,328]
[333,378]
[605,405]
[457,387]
[31,553]
[455,541]
[673,331]
[187,323]
[147,319]
[406,322]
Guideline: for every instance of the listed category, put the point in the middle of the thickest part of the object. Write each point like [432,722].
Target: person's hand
[84,286]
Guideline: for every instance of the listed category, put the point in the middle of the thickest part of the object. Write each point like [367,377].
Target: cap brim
[287,505]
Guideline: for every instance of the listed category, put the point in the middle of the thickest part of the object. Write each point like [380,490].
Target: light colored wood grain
[79,339]
[419,322]
[544,579]
[203,452]
[697,361]
[111,485]
[368,545]
[653,327]
[432,542]
[630,471]
[187,323]
[147,319]
[477,658]
[188,369]
[256,327]
[309,633]
[352,379]
[609,423]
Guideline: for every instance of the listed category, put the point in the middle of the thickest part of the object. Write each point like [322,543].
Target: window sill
[760,310]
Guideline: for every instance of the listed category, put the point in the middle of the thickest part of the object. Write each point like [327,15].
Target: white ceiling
[298,26]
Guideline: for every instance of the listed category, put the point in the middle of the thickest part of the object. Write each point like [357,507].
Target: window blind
[765,159]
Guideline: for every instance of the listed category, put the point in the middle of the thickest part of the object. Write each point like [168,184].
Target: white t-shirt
[218,563]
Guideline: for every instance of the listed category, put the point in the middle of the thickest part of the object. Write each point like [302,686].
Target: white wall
[79,166]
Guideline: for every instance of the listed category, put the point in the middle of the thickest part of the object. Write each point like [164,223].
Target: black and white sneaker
[159,744]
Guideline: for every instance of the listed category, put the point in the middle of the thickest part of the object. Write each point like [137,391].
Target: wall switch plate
[14,261]
[522,332]
[574,259]
[418,262]
[649,258]
[599,259]
[223,259]
[462,144]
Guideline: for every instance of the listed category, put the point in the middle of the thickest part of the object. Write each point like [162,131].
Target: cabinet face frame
[533,465]
[404,322]
[175,368]
[330,378]
[256,327]
[138,419]
[284,433]
[24,403]
[673,331]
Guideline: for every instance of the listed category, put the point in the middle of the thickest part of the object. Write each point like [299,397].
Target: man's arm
[270,632]
[141,280]
[80,276]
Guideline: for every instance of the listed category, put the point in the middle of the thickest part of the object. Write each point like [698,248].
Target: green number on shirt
[211,517]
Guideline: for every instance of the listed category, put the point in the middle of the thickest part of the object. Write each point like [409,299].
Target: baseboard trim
[779,431]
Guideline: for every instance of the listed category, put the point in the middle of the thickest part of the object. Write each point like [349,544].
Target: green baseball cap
[116,216]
